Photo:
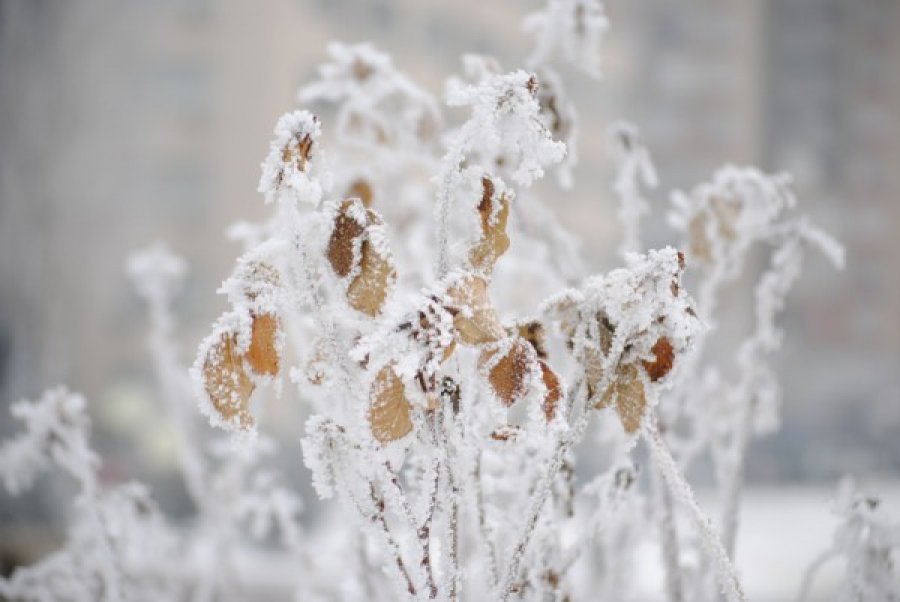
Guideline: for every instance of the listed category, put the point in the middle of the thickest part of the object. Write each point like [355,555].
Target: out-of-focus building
[126,122]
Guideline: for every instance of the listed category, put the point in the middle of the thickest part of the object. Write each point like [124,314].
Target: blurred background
[124,123]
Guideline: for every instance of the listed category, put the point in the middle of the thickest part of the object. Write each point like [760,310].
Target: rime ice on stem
[634,170]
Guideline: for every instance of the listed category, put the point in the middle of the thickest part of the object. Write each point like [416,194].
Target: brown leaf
[343,238]
[494,240]
[476,321]
[361,190]
[369,289]
[389,410]
[664,356]
[298,151]
[533,332]
[628,393]
[551,382]
[350,250]
[509,375]
[226,382]
[263,352]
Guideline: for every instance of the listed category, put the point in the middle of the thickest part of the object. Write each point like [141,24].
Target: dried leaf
[628,393]
[664,355]
[263,352]
[727,212]
[226,382]
[369,289]
[509,375]
[361,190]
[389,410]
[494,240]
[534,333]
[476,320]
[343,240]
[351,251]
[700,247]
[554,392]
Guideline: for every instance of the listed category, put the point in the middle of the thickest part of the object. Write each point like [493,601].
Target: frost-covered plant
[484,422]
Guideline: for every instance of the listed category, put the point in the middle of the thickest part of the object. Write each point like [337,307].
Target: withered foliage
[664,355]
[509,375]
[226,381]
[627,391]
[353,254]
[494,212]
[389,410]
[263,352]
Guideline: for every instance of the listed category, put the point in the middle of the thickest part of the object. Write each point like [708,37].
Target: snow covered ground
[783,529]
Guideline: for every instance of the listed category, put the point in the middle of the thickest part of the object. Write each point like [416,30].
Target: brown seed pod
[664,355]
[476,320]
[628,393]
[263,352]
[389,409]
[226,382]
[554,391]
[494,240]
[509,375]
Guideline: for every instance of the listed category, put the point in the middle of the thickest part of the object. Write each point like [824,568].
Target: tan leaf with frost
[509,375]
[226,382]
[368,290]
[476,320]
[554,391]
[343,239]
[494,240]
[263,352]
[628,393]
[389,409]
[351,251]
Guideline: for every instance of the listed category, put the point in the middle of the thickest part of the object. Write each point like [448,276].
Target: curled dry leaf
[509,375]
[351,252]
[628,393]
[389,409]
[476,320]
[263,352]
[533,332]
[554,391]
[664,355]
[494,212]
[226,382]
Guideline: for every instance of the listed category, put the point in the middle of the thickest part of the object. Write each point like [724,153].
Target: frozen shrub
[444,430]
